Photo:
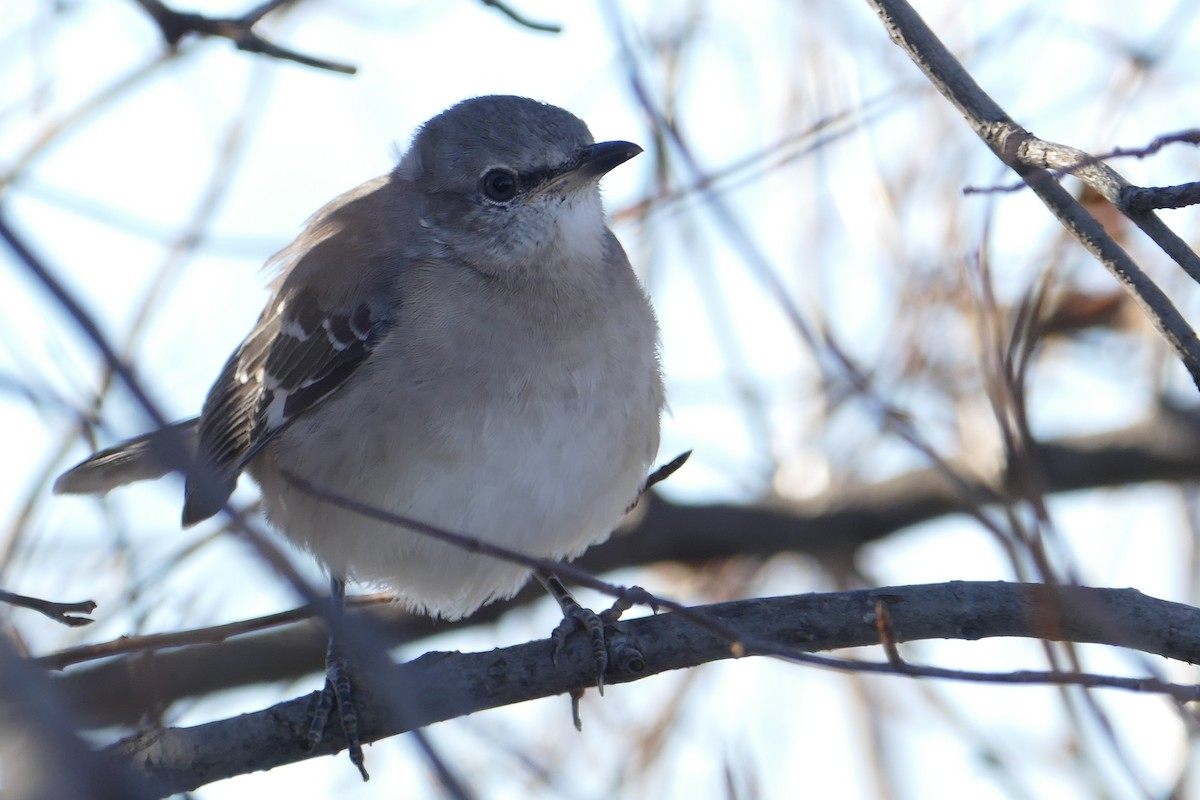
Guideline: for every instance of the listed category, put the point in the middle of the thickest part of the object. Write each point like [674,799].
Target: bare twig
[1191,136]
[1044,155]
[521,19]
[59,612]
[1159,142]
[1030,158]
[1146,198]
[175,25]
[212,634]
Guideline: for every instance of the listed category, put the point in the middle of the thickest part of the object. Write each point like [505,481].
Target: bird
[461,341]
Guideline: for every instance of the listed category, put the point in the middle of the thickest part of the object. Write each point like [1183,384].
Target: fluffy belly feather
[540,478]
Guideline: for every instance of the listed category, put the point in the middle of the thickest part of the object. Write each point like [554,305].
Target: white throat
[580,222]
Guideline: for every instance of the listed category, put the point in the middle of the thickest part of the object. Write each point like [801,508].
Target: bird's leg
[337,689]
[608,642]
[575,617]
[599,627]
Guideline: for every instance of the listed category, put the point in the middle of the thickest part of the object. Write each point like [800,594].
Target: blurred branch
[180,245]
[59,612]
[174,25]
[17,166]
[440,686]
[1031,158]
[41,755]
[73,309]
[521,19]
[214,634]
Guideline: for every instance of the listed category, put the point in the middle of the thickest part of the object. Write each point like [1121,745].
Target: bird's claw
[339,691]
[580,618]
[603,629]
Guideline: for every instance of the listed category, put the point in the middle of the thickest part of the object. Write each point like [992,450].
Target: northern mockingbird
[461,341]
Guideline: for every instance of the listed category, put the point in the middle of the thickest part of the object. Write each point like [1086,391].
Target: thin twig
[213,634]
[175,25]
[1019,150]
[521,19]
[59,612]
[470,544]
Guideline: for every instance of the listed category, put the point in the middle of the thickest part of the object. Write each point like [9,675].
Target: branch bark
[441,686]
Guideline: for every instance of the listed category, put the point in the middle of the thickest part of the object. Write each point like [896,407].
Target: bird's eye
[500,185]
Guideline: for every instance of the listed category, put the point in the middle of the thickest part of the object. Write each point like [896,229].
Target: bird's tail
[142,458]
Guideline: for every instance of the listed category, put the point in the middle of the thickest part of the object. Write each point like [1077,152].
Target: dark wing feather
[297,355]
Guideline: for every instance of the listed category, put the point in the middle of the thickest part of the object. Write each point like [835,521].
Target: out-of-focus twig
[59,612]
[1032,158]
[213,634]
[175,25]
[521,19]
[41,755]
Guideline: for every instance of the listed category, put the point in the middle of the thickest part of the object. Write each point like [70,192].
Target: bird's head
[511,185]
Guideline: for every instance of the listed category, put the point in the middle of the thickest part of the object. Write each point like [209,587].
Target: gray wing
[305,346]
[298,355]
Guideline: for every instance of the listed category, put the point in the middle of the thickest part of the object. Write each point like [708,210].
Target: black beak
[597,159]
[588,165]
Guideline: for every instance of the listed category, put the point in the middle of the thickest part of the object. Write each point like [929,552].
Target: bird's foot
[576,617]
[610,644]
[338,693]
[612,648]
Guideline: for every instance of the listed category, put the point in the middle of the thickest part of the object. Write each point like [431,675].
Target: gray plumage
[462,342]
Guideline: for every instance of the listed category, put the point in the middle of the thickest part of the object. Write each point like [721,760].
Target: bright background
[139,176]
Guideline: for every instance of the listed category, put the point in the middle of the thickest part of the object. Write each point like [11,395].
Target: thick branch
[440,686]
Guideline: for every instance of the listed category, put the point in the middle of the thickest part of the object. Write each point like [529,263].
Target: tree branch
[441,686]
[521,19]
[1029,157]
[174,25]
[59,612]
